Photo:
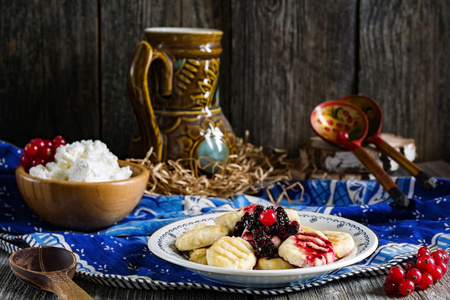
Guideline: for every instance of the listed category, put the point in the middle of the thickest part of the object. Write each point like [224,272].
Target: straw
[248,171]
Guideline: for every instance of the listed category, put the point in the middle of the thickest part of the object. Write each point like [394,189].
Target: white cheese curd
[84,161]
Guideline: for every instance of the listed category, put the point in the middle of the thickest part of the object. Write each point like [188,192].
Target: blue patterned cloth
[119,255]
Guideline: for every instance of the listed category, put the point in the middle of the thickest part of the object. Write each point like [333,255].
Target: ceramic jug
[172,82]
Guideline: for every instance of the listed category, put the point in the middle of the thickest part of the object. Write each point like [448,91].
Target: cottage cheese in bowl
[84,161]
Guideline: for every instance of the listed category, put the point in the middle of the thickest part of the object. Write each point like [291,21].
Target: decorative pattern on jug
[192,132]
[194,86]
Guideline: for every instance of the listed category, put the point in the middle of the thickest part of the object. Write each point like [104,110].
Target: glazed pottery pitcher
[172,82]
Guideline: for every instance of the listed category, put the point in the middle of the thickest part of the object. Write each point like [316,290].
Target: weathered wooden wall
[63,65]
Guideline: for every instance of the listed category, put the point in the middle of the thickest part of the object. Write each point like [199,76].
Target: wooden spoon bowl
[341,124]
[345,125]
[83,206]
[48,268]
[374,116]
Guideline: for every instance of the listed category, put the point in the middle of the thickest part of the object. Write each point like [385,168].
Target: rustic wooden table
[370,287]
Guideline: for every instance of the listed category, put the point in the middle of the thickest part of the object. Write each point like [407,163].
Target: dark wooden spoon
[345,125]
[374,115]
[48,268]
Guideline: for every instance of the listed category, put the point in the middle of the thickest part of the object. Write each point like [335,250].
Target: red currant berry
[26,161]
[330,122]
[396,274]
[349,120]
[409,265]
[342,136]
[443,267]
[347,128]
[426,282]
[345,113]
[437,273]
[445,256]
[425,263]
[339,125]
[268,217]
[424,250]
[38,142]
[31,149]
[406,287]
[390,287]
[415,275]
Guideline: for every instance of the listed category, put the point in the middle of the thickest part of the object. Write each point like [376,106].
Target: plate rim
[199,268]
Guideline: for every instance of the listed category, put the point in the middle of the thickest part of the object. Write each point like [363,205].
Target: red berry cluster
[40,152]
[429,268]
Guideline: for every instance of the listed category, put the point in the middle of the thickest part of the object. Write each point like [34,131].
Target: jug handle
[142,57]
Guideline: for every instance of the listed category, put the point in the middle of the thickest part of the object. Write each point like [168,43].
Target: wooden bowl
[83,206]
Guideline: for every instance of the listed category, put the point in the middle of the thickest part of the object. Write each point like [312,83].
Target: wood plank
[288,57]
[404,65]
[364,288]
[12,288]
[48,73]
[122,27]
[370,287]
[437,168]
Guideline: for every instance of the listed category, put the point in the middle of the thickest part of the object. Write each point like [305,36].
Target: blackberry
[240,225]
[264,247]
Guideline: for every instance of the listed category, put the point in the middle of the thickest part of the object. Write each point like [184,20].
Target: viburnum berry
[26,161]
[437,256]
[406,287]
[58,141]
[38,161]
[437,273]
[445,256]
[390,287]
[39,151]
[38,142]
[415,275]
[426,282]
[425,263]
[46,153]
[424,250]
[31,149]
[409,265]
[268,217]
[443,267]
[428,268]
[396,274]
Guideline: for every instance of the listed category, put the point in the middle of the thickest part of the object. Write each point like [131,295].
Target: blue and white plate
[162,244]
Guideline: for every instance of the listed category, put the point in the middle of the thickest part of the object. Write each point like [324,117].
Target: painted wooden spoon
[48,268]
[375,116]
[345,125]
